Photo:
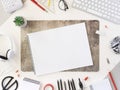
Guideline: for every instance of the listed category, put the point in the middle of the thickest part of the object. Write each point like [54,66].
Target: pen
[58,85]
[35,2]
[65,85]
[80,84]
[73,84]
[69,85]
[61,84]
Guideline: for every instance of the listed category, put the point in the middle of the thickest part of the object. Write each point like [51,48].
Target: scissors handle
[5,87]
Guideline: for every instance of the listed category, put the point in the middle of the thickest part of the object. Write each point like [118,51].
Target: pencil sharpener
[115,45]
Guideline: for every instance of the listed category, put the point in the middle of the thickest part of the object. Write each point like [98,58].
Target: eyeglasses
[63,5]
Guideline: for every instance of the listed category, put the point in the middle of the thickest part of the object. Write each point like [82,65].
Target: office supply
[108,61]
[106,9]
[9,82]
[34,26]
[114,77]
[112,80]
[80,84]
[65,85]
[11,51]
[65,47]
[41,7]
[48,86]
[101,33]
[49,1]
[115,45]
[58,84]
[61,86]
[101,85]
[48,4]
[73,84]
[86,78]
[11,6]
[63,5]
[69,85]
[29,84]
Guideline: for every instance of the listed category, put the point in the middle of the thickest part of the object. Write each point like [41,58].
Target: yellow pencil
[49,3]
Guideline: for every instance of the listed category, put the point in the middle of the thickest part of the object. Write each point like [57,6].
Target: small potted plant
[20,21]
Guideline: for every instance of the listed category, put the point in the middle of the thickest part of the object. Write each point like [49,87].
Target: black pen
[61,84]
[80,84]
[69,85]
[73,84]
[58,85]
[65,85]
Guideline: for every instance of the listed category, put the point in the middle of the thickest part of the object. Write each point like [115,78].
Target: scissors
[9,82]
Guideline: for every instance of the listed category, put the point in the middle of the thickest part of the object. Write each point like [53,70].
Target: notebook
[111,82]
[60,49]
[102,85]
[114,77]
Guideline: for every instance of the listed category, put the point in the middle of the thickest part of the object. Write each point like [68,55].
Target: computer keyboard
[106,9]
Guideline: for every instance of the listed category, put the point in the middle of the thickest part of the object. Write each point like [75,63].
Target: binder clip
[100,33]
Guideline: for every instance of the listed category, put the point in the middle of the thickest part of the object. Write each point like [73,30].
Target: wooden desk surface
[33,26]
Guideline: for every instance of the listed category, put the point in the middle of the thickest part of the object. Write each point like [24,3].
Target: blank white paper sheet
[60,49]
[102,85]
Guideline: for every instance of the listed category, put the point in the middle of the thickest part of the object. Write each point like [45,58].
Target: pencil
[49,3]
[35,2]
[113,82]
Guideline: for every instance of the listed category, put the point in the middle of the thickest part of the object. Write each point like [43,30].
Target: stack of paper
[60,49]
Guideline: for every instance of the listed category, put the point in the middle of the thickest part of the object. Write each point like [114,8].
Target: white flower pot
[25,24]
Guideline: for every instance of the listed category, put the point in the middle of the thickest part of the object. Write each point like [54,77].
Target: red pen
[35,2]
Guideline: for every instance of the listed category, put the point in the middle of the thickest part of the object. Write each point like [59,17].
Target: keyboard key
[94,12]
